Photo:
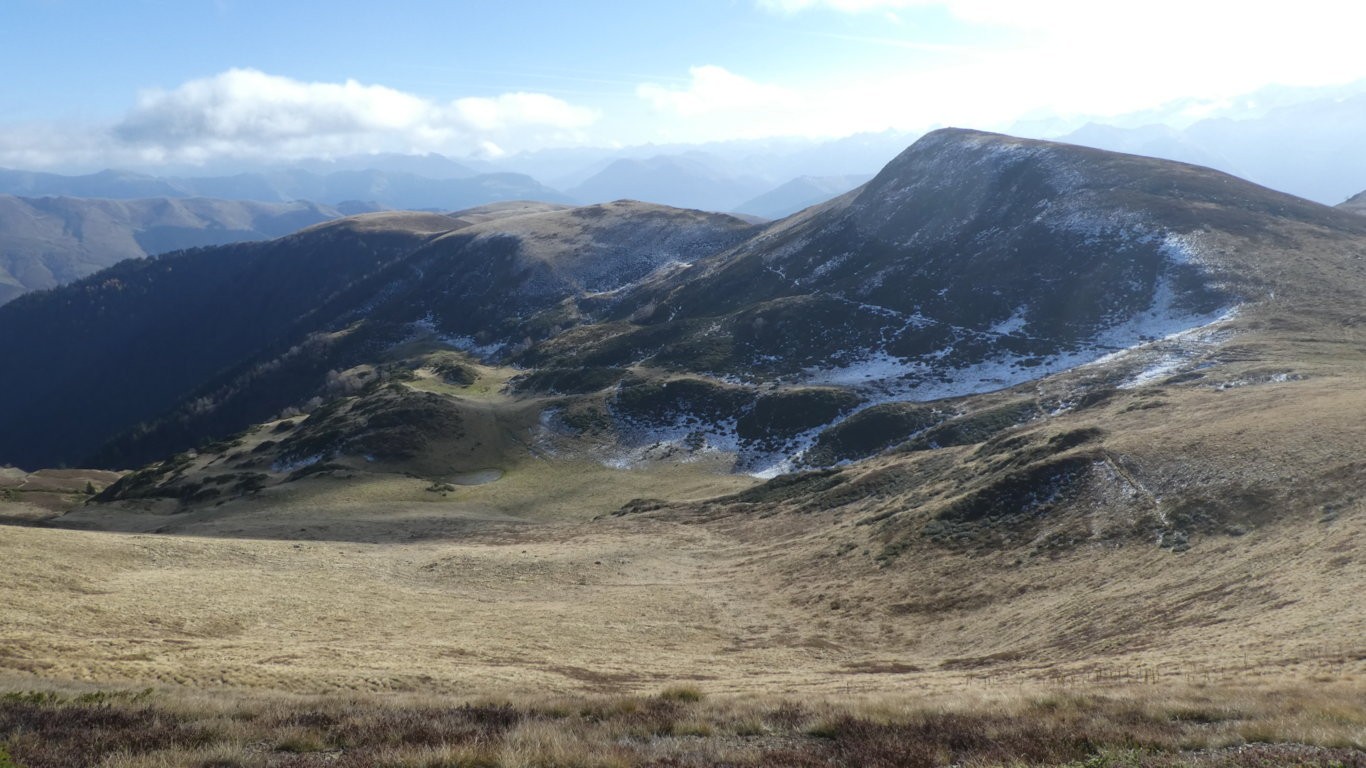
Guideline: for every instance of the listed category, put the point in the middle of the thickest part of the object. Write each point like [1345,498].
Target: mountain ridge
[1130,249]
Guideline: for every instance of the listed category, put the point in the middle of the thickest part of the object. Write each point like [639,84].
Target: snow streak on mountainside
[972,263]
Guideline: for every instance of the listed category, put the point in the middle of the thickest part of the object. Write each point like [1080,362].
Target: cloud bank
[714,89]
[979,63]
[246,114]
[1062,61]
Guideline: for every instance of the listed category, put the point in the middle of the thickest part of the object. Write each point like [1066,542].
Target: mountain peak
[972,263]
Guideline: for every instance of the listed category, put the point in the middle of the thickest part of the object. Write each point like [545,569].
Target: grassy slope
[376,584]
[516,585]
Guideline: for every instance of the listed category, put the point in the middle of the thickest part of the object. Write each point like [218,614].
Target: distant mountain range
[56,228]
[716,176]
[1311,149]
[802,192]
[679,181]
[374,188]
[45,243]
[690,180]
[50,241]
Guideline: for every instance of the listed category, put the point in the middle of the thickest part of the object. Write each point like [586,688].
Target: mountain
[50,241]
[1152,141]
[392,189]
[182,318]
[1011,411]
[1355,204]
[971,263]
[250,324]
[430,165]
[679,181]
[971,266]
[120,185]
[449,190]
[773,160]
[801,192]
[1325,165]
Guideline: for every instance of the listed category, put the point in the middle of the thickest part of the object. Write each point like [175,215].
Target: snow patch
[484,352]
[1158,359]
[1144,347]
[1165,366]
[1275,378]
[425,327]
[1016,322]
[297,464]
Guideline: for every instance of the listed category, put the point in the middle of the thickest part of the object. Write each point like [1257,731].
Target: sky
[144,83]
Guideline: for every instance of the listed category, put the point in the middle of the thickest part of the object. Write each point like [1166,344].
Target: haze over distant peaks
[801,192]
[1311,148]
[678,181]
[50,241]
[392,189]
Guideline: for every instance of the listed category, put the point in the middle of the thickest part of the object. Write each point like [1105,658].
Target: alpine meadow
[547,409]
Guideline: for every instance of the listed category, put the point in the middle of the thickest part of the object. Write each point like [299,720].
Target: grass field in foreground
[1324,725]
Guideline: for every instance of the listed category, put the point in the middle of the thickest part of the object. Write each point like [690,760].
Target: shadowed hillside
[50,241]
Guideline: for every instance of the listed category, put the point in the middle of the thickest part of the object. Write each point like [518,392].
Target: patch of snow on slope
[685,440]
[1272,378]
[1164,366]
[667,269]
[767,464]
[1154,360]
[1012,324]
[297,464]
[1147,347]
[426,327]
[888,377]
[1182,249]
[484,352]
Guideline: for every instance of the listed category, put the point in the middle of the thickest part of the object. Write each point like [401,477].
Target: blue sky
[142,82]
[100,52]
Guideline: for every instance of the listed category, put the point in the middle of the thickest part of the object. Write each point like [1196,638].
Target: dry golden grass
[1100,726]
[512,587]
[522,585]
[376,591]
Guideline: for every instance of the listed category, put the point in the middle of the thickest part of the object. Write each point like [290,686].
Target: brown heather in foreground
[681,726]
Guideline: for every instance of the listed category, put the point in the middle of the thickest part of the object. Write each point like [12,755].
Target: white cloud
[245,105]
[847,6]
[718,105]
[714,89]
[1082,57]
[511,109]
[248,114]
[978,63]
[51,145]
